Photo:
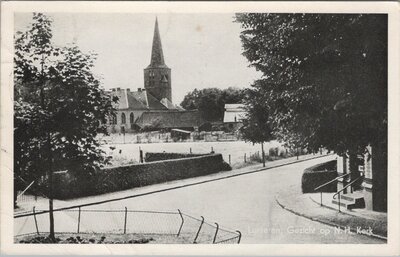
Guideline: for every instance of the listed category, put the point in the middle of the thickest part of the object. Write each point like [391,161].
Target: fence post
[229,159]
[240,236]
[245,158]
[126,216]
[34,217]
[141,156]
[198,231]
[339,202]
[190,150]
[180,228]
[212,149]
[216,232]
[79,218]
[321,198]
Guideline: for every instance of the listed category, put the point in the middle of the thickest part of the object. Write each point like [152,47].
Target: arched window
[123,118]
[131,118]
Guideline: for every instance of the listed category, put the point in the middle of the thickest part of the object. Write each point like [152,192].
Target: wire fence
[180,227]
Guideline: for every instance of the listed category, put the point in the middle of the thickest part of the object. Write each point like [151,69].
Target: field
[129,153]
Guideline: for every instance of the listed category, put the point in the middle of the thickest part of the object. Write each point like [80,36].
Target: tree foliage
[324,76]
[256,127]
[59,107]
[211,101]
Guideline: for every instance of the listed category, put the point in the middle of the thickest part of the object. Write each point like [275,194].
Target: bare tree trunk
[51,214]
[50,158]
[263,154]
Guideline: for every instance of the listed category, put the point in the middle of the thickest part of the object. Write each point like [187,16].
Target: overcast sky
[203,50]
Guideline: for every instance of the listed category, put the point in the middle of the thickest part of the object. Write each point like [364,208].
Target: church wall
[117,128]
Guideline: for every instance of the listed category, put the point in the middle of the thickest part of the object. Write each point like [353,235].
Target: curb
[172,188]
[326,222]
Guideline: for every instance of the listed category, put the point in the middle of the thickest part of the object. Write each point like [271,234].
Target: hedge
[152,157]
[67,185]
[317,175]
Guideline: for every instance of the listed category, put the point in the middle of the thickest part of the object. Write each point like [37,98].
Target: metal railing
[329,182]
[168,224]
[341,190]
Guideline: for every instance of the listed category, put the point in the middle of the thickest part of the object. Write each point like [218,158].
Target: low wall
[67,185]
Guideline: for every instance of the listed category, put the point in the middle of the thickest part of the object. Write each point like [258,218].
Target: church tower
[157,76]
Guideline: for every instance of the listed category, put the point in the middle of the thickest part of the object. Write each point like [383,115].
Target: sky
[203,50]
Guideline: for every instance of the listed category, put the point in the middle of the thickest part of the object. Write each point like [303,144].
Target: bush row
[152,157]
[67,185]
[317,175]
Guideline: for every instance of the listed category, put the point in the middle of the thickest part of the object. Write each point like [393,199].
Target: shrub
[273,151]
[256,157]
[106,180]
[152,157]
[317,175]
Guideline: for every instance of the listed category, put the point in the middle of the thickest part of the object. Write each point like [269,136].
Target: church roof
[171,119]
[148,100]
[137,100]
[157,55]
[167,103]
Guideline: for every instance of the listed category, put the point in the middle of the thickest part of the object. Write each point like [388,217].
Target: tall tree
[326,75]
[59,108]
[256,126]
[211,101]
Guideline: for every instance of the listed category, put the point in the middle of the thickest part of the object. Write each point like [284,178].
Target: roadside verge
[302,205]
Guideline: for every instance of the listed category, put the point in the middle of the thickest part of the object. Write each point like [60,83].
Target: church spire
[157,56]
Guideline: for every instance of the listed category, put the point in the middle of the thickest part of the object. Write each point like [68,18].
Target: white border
[6,158]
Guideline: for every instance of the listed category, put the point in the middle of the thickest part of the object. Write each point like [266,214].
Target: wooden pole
[141,156]
[263,154]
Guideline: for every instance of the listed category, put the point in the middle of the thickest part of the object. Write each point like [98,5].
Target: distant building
[151,107]
[233,116]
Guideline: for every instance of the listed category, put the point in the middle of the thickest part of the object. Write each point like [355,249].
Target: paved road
[245,202]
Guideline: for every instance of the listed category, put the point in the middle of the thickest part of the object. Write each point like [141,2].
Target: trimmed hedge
[106,180]
[317,175]
[152,157]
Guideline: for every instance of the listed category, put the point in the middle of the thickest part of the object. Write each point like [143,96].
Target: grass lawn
[124,154]
[107,238]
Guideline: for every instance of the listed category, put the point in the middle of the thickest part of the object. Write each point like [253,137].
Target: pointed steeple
[157,56]
[157,76]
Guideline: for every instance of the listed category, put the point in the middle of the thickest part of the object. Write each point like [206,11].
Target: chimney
[118,89]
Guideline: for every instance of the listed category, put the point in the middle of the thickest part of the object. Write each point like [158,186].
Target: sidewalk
[356,221]
[42,203]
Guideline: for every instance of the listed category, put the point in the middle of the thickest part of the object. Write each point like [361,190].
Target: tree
[256,127]
[326,75]
[59,108]
[211,101]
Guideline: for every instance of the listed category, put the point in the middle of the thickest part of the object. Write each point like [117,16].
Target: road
[246,203]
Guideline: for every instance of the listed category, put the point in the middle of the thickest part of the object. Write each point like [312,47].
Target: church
[151,107]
